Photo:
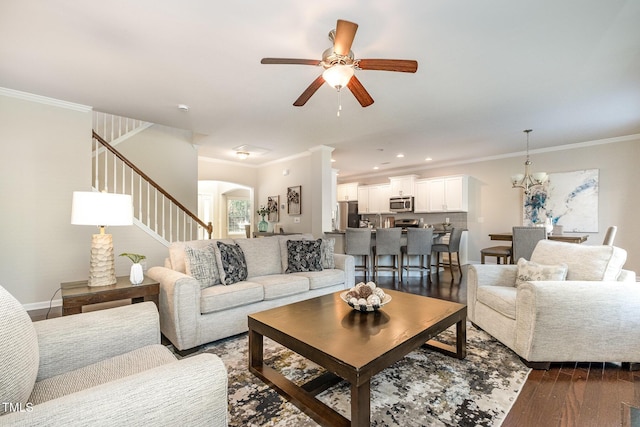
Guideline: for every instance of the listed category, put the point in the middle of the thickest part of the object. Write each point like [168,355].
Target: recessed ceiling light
[183,107]
[428,159]
[400,155]
[376,168]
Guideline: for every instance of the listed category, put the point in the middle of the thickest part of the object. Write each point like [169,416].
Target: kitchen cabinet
[374,199]
[402,185]
[448,194]
[347,191]
[421,196]
[363,199]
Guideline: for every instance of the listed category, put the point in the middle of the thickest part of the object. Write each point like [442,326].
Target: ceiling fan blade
[345,33]
[359,92]
[402,65]
[313,87]
[290,61]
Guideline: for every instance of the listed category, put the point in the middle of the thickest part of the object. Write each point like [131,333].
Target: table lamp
[101,210]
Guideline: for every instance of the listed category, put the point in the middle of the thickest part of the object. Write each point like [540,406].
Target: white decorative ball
[373,300]
[362,301]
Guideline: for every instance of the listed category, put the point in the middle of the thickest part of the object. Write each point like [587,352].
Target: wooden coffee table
[350,345]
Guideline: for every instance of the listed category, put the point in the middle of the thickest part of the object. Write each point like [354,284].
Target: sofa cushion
[201,264]
[304,255]
[233,266]
[584,262]
[282,285]
[102,372]
[530,271]
[262,255]
[219,298]
[177,252]
[499,298]
[323,279]
[328,250]
[18,351]
[284,253]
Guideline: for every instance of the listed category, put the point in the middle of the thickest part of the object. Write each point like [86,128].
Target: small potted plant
[137,275]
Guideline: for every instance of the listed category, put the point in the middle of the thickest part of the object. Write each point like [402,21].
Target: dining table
[569,238]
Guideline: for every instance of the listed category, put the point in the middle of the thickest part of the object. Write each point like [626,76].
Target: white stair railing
[115,129]
[155,210]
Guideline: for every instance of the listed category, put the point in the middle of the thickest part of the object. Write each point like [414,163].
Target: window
[238,214]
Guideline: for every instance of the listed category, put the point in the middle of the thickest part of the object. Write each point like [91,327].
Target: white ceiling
[489,69]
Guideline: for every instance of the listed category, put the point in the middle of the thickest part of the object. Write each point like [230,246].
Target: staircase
[155,211]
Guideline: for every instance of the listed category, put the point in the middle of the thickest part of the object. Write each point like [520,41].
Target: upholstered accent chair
[569,303]
[102,368]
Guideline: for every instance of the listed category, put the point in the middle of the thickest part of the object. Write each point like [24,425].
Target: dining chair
[453,247]
[502,253]
[387,244]
[358,244]
[610,236]
[525,239]
[419,243]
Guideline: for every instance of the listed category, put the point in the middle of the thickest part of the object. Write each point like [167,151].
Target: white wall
[46,156]
[272,182]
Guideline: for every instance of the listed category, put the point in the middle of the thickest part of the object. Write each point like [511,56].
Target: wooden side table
[75,295]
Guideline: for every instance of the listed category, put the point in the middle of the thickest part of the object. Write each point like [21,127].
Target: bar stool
[387,243]
[419,242]
[358,243]
[453,247]
[502,253]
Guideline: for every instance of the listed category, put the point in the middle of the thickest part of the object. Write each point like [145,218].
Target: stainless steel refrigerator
[347,215]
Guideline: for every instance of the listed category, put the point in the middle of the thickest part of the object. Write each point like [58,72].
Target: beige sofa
[192,315]
[592,316]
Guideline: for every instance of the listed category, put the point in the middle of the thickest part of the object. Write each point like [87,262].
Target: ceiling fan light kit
[340,65]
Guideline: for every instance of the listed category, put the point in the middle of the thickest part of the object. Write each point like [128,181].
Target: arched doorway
[229,207]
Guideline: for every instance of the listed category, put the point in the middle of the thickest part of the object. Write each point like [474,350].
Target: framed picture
[272,206]
[294,200]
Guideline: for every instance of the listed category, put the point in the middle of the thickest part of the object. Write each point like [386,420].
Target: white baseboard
[42,305]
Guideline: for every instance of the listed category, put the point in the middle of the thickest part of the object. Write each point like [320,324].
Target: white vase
[548,226]
[137,275]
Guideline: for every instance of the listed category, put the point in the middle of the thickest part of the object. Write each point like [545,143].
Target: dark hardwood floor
[568,394]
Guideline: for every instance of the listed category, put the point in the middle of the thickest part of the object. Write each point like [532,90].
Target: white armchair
[592,316]
[104,368]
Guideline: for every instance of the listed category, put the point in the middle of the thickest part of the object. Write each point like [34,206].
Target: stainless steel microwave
[401,204]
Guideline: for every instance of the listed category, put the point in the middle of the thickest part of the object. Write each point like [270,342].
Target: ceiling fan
[339,64]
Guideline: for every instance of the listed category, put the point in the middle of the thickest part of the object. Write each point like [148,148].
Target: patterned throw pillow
[233,263]
[201,265]
[304,255]
[327,250]
[531,271]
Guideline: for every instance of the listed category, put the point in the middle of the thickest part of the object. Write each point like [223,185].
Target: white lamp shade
[101,209]
[338,75]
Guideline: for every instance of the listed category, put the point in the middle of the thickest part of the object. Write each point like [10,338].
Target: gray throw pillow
[233,263]
[304,255]
[201,265]
[328,249]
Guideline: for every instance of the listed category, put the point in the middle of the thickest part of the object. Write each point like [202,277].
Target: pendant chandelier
[528,180]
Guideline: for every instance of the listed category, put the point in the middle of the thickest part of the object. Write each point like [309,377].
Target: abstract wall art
[570,199]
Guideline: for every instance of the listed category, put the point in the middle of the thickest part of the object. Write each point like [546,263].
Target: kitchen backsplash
[457,219]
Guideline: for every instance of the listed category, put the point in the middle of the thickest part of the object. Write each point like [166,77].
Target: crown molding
[45,100]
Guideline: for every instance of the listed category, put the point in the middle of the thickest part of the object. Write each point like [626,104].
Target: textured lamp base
[102,268]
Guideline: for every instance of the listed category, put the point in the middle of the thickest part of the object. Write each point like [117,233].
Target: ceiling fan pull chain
[339,102]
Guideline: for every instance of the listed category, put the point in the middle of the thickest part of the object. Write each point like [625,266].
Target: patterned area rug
[426,388]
